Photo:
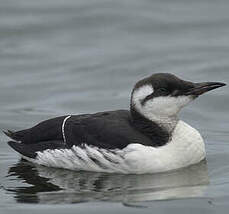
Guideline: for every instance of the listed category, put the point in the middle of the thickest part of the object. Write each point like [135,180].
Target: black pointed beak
[201,88]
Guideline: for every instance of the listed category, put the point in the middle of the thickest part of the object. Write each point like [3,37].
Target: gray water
[71,57]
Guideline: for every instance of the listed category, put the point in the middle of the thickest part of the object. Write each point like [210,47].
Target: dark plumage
[109,130]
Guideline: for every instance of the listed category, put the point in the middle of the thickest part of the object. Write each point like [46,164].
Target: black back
[108,130]
[112,130]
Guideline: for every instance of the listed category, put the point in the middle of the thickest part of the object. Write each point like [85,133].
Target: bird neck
[167,122]
[158,131]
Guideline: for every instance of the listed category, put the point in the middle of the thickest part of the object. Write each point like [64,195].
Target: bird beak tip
[201,88]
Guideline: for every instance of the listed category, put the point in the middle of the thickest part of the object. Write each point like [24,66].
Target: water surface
[70,57]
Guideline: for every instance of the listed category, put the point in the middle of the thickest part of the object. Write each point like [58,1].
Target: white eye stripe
[142,92]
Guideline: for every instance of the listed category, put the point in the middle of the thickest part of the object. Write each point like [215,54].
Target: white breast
[185,148]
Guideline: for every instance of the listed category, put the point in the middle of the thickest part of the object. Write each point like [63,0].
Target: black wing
[44,131]
[109,130]
[30,150]
[43,136]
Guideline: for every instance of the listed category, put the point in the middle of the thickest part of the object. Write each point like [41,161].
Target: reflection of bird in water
[29,175]
[50,185]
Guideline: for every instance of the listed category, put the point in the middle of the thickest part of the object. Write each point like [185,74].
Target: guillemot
[148,138]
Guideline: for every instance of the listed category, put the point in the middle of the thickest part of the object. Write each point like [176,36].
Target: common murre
[147,139]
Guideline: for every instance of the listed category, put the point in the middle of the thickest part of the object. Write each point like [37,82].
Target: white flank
[185,148]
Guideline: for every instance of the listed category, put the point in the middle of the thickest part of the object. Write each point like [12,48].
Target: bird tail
[13,135]
[31,150]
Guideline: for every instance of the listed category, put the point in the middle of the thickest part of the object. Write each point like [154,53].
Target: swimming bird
[148,138]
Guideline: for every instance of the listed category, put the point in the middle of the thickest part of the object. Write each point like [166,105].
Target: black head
[165,94]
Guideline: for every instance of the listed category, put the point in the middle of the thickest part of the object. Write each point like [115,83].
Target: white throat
[161,110]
